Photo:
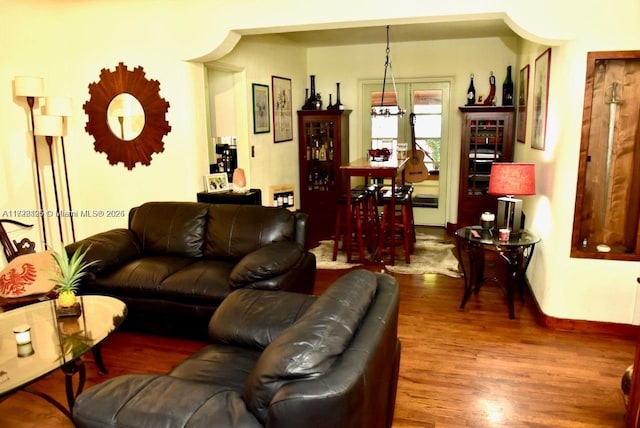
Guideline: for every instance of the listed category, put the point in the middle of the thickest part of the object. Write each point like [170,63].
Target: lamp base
[509,214]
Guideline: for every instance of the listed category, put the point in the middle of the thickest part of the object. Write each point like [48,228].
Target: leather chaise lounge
[177,261]
[275,359]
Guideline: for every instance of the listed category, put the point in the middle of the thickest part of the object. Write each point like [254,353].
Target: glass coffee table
[34,341]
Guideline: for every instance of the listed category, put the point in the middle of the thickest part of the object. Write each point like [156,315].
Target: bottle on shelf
[471,92]
[322,155]
[507,89]
[330,106]
[331,149]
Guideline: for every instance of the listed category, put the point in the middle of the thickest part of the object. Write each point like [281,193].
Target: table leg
[70,369]
[515,260]
[97,356]
[348,228]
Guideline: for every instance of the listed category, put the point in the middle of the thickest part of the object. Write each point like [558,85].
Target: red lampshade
[512,179]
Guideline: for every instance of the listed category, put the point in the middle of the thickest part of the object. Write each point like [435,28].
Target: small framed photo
[215,183]
[261,108]
[282,109]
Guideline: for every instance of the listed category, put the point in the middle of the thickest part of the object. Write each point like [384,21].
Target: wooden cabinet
[323,137]
[487,137]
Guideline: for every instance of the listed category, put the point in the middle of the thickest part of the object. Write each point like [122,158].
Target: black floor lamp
[32,88]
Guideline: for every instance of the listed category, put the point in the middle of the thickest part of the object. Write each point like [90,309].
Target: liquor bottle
[471,93]
[507,89]
[331,149]
[323,153]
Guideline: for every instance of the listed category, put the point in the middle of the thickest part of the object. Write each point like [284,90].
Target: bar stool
[358,212]
[403,222]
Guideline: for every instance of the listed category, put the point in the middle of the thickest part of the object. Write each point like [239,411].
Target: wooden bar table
[365,167]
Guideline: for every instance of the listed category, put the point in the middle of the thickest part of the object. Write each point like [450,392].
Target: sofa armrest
[254,318]
[266,262]
[109,249]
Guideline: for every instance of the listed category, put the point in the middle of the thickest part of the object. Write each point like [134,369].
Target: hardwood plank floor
[459,368]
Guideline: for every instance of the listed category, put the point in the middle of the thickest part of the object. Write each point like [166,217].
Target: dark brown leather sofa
[177,261]
[276,359]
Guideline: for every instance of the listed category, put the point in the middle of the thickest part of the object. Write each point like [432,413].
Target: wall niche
[607,210]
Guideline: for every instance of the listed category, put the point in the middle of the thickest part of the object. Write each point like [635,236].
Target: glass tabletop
[478,235]
[55,340]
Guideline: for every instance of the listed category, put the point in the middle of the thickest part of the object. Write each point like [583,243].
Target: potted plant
[70,273]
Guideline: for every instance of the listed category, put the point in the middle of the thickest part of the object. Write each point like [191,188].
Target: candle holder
[23,340]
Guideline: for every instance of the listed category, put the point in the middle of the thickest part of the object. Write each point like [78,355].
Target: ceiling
[402,33]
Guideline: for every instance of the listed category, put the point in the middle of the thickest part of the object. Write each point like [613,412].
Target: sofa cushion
[143,275]
[266,262]
[173,228]
[309,346]
[233,231]
[203,282]
[160,400]
[28,274]
[219,364]
[253,318]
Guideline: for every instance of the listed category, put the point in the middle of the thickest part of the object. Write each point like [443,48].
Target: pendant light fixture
[383,109]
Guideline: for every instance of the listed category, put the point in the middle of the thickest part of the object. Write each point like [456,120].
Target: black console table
[250,197]
[517,252]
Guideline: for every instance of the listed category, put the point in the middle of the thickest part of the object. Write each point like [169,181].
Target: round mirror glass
[125,116]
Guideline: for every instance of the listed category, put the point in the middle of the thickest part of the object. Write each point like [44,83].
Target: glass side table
[473,241]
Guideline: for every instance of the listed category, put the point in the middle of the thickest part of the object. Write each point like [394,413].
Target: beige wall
[68,43]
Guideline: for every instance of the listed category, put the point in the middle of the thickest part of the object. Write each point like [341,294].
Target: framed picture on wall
[540,99]
[282,110]
[215,183]
[261,108]
[523,92]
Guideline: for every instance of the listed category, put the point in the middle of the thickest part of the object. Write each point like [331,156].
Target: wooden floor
[459,368]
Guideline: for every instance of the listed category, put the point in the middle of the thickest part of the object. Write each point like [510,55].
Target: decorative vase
[338,105]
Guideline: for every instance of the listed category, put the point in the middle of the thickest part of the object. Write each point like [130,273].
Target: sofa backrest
[318,342]
[234,231]
[171,228]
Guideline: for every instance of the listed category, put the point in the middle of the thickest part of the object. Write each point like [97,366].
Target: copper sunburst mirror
[126,116]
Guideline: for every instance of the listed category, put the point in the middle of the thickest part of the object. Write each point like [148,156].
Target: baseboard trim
[628,331]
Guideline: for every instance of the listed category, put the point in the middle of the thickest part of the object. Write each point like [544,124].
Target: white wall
[68,43]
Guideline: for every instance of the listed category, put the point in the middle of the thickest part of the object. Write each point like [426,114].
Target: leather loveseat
[177,261]
[276,359]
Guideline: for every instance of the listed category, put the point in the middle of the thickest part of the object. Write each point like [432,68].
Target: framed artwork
[282,111]
[540,99]
[261,119]
[523,91]
[215,183]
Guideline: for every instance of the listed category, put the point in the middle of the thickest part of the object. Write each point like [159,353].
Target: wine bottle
[471,93]
[507,89]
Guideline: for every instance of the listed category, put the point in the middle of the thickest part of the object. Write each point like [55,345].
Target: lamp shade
[27,86]
[48,125]
[58,106]
[512,179]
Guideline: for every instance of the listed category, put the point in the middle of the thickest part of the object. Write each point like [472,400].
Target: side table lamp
[511,179]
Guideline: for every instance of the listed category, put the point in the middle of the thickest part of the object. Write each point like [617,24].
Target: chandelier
[382,109]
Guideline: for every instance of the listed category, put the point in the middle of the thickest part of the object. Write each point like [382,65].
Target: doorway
[429,102]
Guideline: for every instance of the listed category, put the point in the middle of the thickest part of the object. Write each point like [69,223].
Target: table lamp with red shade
[511,179]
